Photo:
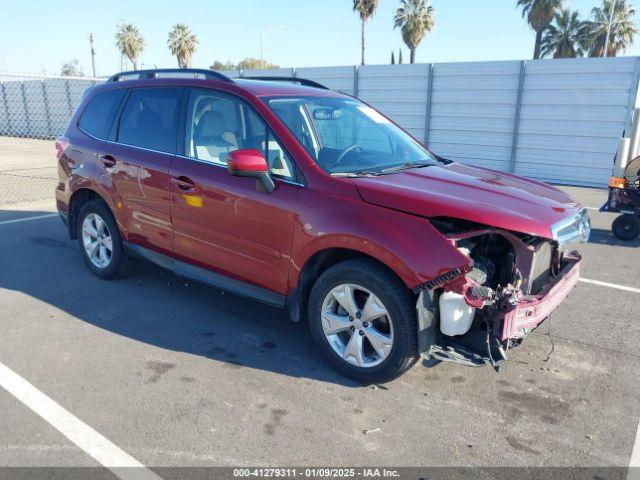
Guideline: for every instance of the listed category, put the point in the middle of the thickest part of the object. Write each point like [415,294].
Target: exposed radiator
[541,267]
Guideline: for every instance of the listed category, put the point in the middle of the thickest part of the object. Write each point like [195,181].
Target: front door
[222,222]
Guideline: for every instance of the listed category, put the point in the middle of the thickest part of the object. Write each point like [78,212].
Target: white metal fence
[553,120]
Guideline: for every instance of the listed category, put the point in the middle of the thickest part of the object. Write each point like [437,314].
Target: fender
[407,244]
[84,181]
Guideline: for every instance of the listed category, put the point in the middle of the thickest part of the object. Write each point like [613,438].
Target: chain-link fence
[33,111]
[27,170]
[37,106]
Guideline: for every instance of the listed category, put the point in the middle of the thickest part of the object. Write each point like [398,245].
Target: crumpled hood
[471,193]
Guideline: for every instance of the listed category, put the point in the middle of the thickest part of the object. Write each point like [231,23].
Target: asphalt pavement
[178,374]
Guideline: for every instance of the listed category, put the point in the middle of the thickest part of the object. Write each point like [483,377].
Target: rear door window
[150,119]
[98,116]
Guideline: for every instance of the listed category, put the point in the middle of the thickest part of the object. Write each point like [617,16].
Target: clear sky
[37,35]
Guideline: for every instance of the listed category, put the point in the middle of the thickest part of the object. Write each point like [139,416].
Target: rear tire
[382,326]
[100,242]
[626,227]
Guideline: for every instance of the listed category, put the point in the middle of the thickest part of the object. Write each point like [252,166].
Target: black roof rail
[302,81]
[142,74]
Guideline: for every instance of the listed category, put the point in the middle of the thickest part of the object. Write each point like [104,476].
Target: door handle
[183,183]
[107,160]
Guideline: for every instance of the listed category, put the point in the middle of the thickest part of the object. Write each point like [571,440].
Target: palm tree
[415,18]
[540,14]
[366,9]
[130,42]
[182,43]
[621,28]
[565,37]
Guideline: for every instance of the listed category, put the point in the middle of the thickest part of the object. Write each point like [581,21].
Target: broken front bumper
[517,316]
[511,317]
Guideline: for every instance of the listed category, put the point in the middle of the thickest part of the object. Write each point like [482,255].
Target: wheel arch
[79,198]
[314,266]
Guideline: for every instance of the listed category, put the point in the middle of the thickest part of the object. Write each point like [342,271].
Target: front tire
[363,319]
[100,242]
[626,227]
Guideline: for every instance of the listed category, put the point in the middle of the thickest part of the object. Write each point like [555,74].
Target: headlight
[573,229]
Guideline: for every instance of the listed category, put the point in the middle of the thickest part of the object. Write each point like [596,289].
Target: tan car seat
[211,140]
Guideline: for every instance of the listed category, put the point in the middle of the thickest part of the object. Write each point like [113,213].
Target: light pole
[264,33]
[606,40]
[93,55]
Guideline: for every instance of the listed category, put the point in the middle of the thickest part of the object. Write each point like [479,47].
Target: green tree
[183,44]
[393,57]
[415,18]
[218,65]
[366,9]
[621,27]
[71,69]
[255,64]
[400,56]
[130,42]
[539,14]
[566,36]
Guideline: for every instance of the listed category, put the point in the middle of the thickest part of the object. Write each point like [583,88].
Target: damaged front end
[513,282]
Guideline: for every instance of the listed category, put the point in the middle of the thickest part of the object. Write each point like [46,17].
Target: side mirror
[251,163]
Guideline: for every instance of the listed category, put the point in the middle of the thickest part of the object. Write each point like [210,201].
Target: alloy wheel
[357,325]
[97,241]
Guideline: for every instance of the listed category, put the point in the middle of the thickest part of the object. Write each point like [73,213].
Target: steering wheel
[346,152]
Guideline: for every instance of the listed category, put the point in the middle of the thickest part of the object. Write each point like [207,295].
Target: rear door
[138,163]
[221,222]
[92,138]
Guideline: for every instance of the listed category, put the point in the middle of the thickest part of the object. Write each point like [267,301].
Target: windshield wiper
[363,173]
[405,166]
[384,171]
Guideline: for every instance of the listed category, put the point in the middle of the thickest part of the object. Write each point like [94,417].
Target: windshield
[345,136]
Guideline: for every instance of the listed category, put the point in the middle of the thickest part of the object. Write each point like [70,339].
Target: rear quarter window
[98,116]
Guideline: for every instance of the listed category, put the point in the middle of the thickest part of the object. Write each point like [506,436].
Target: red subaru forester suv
[304,198]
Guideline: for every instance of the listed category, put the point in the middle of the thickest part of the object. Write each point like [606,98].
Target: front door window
[218,124]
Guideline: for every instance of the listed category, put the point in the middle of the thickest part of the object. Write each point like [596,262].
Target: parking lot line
[26,219]
[93,443]
[610,285]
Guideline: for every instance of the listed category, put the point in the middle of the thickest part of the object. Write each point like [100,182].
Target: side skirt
[207,277]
